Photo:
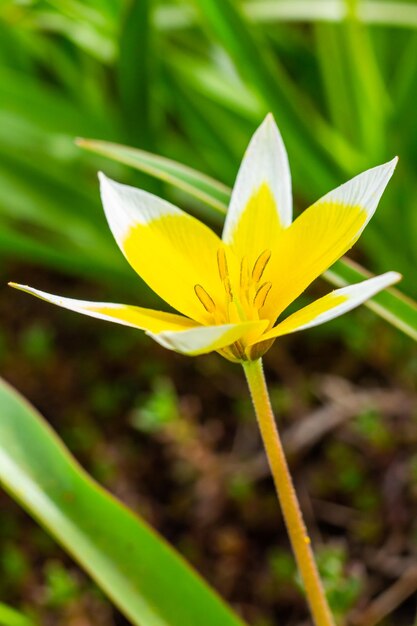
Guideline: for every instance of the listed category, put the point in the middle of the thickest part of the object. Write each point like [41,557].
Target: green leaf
[134,72]
[227,91]
[391,305]
[385,13]
[149,582]
[199,185]
[11,617]
[308,136]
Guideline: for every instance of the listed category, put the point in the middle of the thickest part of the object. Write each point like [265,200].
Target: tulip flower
[231,291]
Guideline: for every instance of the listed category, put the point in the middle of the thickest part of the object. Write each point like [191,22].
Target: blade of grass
[82,34]
[317,146]
[332,63]
[11,617]
[149,582]
[206,189]
[365,83]
[405,80]
[204,126]
[61,256]
[134,72]
[49,108]
[227,91]
[392,305]
[400,14]
[34,197]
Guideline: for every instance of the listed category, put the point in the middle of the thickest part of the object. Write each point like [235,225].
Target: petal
[206,338]
[364,190]
[321,235]
[137,317]
[169,249]
[261,202]
[333,304]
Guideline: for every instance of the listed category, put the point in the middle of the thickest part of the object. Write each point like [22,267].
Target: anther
[261,295]
[244,274]
[238,351]
[205,299]
[222,263]
[224,272]
[260,265]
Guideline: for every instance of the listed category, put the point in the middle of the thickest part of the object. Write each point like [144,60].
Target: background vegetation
[171,436]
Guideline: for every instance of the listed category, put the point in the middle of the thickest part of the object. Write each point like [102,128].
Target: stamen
[224,271]
[222,263]
[261,295]
[260,265]
[244,274]
[205,299]
[238,351]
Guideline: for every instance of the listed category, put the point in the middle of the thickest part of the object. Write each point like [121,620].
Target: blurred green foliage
[60,586]
[192,80]
[11,617]
[158,409]
[342,589]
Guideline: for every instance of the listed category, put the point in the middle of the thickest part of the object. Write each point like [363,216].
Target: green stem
[300,540]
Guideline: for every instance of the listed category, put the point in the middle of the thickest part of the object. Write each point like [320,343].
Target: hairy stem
[300,540]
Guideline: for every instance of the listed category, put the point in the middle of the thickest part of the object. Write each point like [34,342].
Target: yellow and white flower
[231,291]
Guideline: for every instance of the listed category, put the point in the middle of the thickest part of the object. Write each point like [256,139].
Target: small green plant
[342,588]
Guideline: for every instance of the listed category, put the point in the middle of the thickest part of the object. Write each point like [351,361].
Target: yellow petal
[169,249]
[134,316]
[321,235]
[333,305]
[206,338]
[261,202]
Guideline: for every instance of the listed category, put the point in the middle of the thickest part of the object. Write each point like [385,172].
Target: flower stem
[300,540]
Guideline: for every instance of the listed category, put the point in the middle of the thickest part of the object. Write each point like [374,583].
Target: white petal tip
[17,286]
[393,163]
[27,289]
[106,183]
[386,170]
[269,126]
[118,206]
[364,190]
[371,286]
[270,119]
[103,178]
[393,277]
[374,284]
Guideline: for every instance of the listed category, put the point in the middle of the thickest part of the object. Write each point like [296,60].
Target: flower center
[243,300]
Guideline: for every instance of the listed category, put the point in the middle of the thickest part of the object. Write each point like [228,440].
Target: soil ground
[176,440]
